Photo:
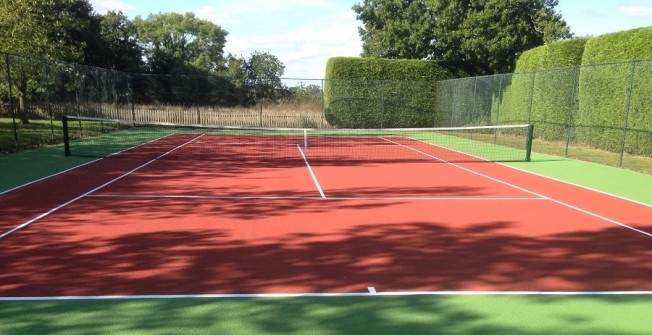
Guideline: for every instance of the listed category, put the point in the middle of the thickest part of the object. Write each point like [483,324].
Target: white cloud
[303,34]
[103,6]
[643,11]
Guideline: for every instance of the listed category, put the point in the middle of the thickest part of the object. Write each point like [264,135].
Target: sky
[303,34]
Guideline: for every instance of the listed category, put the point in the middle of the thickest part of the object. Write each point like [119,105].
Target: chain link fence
[35,94]
[599,113]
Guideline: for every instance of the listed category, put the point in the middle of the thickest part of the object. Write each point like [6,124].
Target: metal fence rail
[600,112]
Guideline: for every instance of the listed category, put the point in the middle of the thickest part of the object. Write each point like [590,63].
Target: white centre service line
[312,174]
[11,231]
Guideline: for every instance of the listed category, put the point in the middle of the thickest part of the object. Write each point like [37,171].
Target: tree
[52,30]
[482,36]
[235,72]
[264,73]
[120,50]
[257,78]
[181,44]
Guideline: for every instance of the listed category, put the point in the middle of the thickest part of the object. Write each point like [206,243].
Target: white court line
[577,185]
[525,190]
[314,178]
[263,197]
[50,176]
[78,166]
[9,232]
[326,295]
[541,175]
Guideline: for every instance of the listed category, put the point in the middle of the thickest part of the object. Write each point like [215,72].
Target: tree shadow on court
[417,256]
[71,257]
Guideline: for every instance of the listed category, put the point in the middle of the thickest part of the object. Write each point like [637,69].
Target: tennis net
[87,136]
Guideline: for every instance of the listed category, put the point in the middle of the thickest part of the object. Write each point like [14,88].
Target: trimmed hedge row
[383,93]
[543,88]
[606,105]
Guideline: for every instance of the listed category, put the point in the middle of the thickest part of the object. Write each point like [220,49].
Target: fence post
[382,103]
[11,102]
[570,121]
[629,102]
[260,114]
[131,97]
[453,103]
[47,98]
[323,105]
[66,136]
[475,94]
[529,114]
[499,102]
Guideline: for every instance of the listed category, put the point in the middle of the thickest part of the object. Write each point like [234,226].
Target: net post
[66,138]
[528,146]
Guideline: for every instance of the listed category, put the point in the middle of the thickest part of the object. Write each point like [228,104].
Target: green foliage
[181,43]
[120,43]
[605,105]
[486,35]
[51,29]
[543,89]
[620,46]
[264,71]
[374,93]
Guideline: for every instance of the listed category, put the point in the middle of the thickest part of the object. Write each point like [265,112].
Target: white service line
[371,292]
[526,190]
[9,232]
[271,197]
[314,178]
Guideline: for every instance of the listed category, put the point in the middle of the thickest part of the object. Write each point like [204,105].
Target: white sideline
[524,189]
[11,231]
[78,166]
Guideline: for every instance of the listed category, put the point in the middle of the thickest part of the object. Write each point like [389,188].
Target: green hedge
[381,93]
[469,101]
[604,99]
[543,89]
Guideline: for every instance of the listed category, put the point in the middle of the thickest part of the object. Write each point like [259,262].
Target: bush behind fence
[600,106]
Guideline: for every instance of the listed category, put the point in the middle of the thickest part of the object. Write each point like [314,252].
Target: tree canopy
[54,29]
[483,36]
[163,44]
[181,43]
[120,43]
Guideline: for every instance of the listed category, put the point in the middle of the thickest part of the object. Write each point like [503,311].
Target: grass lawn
[441,314]
[37,133]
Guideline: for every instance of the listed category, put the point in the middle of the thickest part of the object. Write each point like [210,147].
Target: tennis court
[235,214]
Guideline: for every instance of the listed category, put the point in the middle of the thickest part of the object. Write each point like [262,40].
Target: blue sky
[303,34]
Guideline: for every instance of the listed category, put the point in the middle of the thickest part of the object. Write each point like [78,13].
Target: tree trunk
[22,100]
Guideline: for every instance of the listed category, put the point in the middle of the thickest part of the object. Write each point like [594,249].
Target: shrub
[606,104]
[543,89]
[377,93]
